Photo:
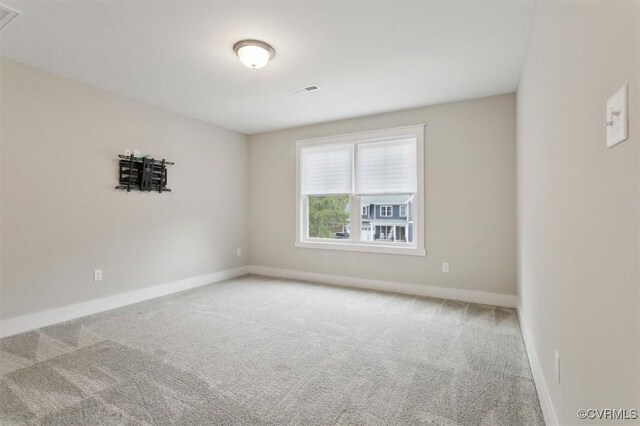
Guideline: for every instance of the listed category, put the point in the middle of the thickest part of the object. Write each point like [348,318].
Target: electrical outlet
[557,367]
[97,275]
[239,252]
[445,266]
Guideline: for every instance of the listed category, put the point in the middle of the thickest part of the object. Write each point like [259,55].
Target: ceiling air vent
[306,89]
[6,15]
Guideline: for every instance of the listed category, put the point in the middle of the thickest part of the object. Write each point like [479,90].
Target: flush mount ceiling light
[253,53]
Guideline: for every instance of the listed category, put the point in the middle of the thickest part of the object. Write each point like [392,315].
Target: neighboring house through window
[362,192]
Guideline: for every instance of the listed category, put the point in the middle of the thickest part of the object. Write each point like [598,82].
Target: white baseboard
[544,397]
[11,326]
[496,299]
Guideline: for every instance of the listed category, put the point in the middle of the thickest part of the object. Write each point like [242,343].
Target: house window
[386,211]
[390,233]
[384,232]
[339,178]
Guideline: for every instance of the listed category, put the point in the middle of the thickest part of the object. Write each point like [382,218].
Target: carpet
[258,350]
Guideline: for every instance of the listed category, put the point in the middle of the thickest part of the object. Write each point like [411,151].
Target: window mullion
[356,211]
[356,218]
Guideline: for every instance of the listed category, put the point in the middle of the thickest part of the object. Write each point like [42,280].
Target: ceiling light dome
[253,53]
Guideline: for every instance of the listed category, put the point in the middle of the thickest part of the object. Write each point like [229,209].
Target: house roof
[382,200]
[385,199]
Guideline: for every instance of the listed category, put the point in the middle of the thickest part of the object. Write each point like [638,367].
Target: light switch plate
[617,123]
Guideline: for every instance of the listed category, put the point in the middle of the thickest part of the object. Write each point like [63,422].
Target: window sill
[367,248]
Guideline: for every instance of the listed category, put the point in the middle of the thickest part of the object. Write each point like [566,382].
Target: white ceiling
[367,57]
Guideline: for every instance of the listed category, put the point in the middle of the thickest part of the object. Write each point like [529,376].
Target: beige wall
[62,217]
[578,205]
[470,199]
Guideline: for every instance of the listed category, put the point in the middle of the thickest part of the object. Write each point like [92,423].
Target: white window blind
[327,169]
[387,167]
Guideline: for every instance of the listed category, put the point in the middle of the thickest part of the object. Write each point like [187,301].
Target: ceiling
[367,57]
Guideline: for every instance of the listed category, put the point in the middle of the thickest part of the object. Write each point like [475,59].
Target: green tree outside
[327,215]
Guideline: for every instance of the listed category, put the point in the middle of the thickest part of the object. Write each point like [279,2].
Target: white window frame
[416,248]
[402,208]
[399,227]
[384,209]
[388,229]
[365,211]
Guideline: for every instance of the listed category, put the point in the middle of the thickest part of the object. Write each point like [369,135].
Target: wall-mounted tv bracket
[142,173]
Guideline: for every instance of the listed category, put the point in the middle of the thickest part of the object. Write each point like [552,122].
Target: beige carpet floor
[257,350]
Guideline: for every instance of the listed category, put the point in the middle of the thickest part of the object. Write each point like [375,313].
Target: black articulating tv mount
[143,173]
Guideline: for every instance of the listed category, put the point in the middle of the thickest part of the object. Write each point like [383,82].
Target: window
[386,211]
[329,216]
[362,192]
[384,233]
[400,233]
